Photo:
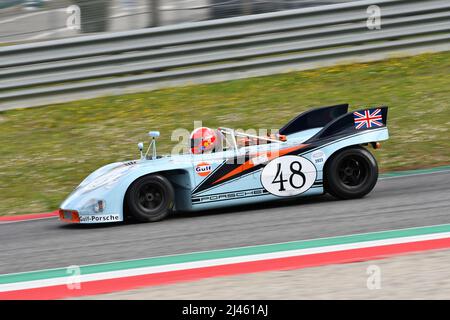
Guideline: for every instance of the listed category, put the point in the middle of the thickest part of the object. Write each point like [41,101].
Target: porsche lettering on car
[323,150]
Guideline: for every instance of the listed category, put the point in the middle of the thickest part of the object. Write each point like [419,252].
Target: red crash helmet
[203,140]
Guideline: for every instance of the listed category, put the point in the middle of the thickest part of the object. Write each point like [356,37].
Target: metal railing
[89,66]
[39,20]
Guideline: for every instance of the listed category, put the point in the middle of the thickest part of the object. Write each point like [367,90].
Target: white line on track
[28,15]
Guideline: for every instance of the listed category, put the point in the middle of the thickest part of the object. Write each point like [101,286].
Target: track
[402,202]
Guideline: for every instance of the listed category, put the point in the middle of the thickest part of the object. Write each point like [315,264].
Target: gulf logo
[203,169]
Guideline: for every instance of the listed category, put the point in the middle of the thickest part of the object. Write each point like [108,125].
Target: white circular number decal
[288,176]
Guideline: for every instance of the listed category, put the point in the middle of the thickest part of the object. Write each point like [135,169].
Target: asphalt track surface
[395,203]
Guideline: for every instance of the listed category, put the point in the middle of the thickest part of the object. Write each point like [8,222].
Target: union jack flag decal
[368,119]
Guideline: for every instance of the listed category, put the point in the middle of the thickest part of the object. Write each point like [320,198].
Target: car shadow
[283,203]
[261,206]
[72,226]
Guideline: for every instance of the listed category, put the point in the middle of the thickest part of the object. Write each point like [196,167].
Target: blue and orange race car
[320,151]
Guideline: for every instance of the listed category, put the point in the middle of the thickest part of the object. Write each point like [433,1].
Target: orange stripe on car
[249,164]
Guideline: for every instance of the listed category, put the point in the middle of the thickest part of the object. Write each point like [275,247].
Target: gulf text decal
[100,218]
[203,169]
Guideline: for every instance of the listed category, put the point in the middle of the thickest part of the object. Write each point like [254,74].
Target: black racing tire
[351,173]
[150,198]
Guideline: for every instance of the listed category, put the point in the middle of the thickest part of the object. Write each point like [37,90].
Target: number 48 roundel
[288,176]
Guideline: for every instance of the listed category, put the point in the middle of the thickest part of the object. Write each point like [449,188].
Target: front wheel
[351,173]
[150,198]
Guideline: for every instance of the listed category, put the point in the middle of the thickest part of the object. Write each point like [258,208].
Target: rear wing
[316,118]
[353,122]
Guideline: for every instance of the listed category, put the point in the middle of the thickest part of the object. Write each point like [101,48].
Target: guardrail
[62,70]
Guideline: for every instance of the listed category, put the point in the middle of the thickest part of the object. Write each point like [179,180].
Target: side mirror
[141,147]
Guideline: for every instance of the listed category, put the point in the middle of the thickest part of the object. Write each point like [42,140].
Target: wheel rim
[353,171]
[150,198]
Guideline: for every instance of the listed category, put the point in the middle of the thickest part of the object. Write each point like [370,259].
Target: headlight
[93,206]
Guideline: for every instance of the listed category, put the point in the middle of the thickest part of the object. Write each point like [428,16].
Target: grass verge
[45,152]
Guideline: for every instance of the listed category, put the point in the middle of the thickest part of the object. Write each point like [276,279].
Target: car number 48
[288,176]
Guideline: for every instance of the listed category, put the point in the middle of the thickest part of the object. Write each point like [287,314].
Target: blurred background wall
[35,20]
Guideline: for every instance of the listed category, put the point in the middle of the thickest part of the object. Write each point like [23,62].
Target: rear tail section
[353,122]
[316,118]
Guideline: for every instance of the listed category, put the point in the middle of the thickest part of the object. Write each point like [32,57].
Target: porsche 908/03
[320,151]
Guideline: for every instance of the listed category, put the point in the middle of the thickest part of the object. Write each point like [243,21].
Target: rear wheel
[351,173]
[150,198]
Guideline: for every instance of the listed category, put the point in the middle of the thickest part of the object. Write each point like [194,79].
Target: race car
[323,150]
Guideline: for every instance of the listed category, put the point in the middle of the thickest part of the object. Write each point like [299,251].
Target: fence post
[247,6]
[94,15]
[155,13]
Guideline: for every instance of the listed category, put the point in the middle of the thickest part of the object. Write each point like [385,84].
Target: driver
[207,140]
[203,140]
